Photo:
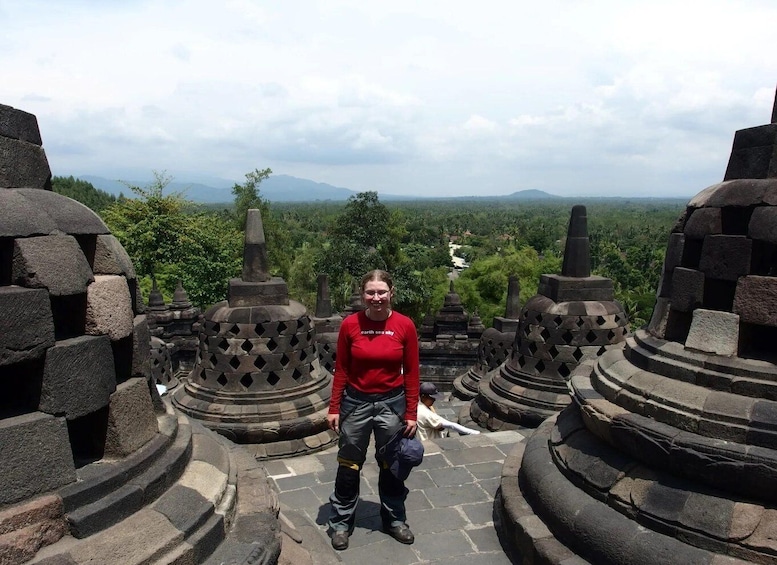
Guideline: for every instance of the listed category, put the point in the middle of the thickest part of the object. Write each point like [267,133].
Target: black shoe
[401,533]
[340,539]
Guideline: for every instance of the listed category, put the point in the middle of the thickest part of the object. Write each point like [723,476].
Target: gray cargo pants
[362,415]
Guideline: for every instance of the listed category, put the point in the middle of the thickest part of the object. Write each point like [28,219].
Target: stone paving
[450,505]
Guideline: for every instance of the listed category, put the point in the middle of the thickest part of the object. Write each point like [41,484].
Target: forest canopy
[171,238]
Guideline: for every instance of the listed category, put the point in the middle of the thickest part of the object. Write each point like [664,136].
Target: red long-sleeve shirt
[377,357]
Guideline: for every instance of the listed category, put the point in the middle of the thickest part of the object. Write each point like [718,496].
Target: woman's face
[377,296]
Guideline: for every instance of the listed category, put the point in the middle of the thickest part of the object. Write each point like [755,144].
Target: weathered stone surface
[26,324]
[754,153]
[27,527]
[131,419]
[246,294]
[18,124]
[141,347]
[714,332]
[54,262]
[78,376]
[763,224]
[756,300]
[725,257]
[36,456]
[109,307]
[687,289]
[21,218]
[703,222]
[23,164]
[110,258]
[71,216]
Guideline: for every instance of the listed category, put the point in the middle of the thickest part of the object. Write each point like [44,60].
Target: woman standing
[374,391]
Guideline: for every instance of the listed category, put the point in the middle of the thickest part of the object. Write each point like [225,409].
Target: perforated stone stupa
[669,452]
[257,379]
[89,471]
[448,342]
[574,317]
[496,344]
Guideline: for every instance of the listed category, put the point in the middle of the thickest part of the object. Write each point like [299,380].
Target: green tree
[82,191]
[169,241]
[247,196]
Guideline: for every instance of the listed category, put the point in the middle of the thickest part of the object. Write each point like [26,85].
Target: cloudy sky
[428,97]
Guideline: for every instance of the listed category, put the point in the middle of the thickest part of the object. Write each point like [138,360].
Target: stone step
[185,524]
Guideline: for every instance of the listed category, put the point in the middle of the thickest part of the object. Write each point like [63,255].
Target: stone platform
[450,505]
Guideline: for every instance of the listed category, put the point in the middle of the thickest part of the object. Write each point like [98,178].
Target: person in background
[374,391]
[430,424]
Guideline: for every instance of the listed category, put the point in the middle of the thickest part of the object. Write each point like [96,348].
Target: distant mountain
[530,195]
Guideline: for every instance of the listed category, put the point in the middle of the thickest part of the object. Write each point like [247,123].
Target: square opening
[6,261]
[763,260]
[691,253]
[21,387]
[735,220]
[757,342]
[87,437]
[719,294]
[69,314]
[677,325]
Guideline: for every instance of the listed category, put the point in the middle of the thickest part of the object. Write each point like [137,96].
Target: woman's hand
[410,427]
[333,420]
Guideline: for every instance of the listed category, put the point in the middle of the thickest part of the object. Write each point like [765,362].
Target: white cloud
[445,97]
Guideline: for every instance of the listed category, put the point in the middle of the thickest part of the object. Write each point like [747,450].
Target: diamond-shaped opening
[557,320]
[297,374]
[590,336]
[273,379]
[532,348]
[303,355]
[602,351]
[567,336]
[301,324]
[545,334]
[600,320]
[526,330]
[540,366]
[222,380]
[259,363]
[282,327]
[618,318]
[578,354]
[564,370]
[553,351]
[234,362]
[223,345]
[284,360]
[538,317]
[213,360]
[521,360]
[258,329]
[294,341]
[246,380]
[246,346]
[610,335]
[271,345]
[234,330]
[216,328]
[580,322]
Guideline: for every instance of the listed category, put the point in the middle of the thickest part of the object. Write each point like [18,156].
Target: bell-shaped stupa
[668,453]
[257,379]
[574,317]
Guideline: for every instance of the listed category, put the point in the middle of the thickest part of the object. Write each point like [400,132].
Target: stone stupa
[257,379]
[668,453]
[573,317]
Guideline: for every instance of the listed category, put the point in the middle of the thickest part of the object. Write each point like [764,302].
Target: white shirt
[427,421]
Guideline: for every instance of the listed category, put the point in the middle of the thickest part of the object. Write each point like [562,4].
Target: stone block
[687,289]
[141,348]
[21,218]
[54,262]
[674,251]
[18,124]
[131,419]
[272,292]
[26,527]
[26,324]
[763,224]
[23,164]
[78,376]
[754,153]
[725,257]
[109,307]
[573,289]
[713,331]
[36,456]
[703,222]
[71,216]
[755,300]
[110,258]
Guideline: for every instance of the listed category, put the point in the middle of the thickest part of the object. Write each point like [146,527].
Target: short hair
[377,275]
